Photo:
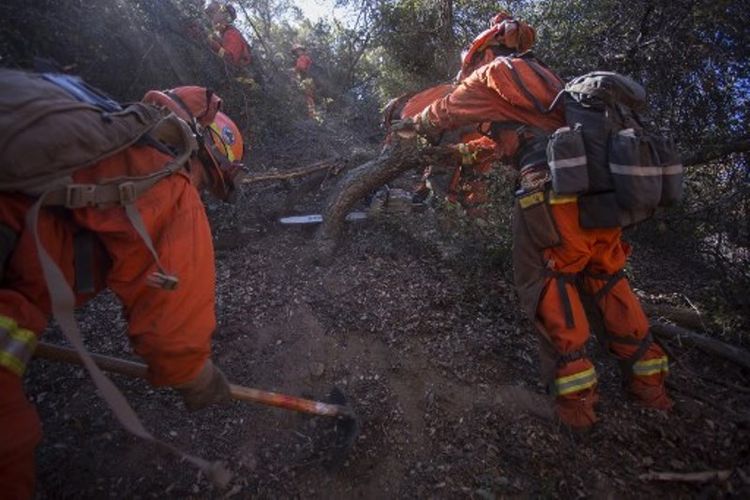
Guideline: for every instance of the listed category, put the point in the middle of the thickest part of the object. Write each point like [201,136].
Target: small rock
[317,369]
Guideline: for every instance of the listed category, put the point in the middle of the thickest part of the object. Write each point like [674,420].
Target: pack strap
[611,279]
[83,261]
[63,301]
[563,279]
[519,83]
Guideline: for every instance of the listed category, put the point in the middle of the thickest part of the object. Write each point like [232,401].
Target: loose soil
[430,350]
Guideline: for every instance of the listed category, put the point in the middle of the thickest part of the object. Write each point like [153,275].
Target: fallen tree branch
[395,159]
[710,345]
[718,151]
[687,477]
[688,318]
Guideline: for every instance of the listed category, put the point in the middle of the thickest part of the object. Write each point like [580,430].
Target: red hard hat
[188,102]
[504,31]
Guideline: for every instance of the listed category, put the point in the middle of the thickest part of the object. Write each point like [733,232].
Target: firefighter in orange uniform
[302,65]
[502,83]
[227,41]
[170,329]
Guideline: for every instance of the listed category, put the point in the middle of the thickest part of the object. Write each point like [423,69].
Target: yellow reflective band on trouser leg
[16,346]
[576,382]
[651,367]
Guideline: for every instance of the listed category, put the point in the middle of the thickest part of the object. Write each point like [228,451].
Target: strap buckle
[80,195]
[128,193]
[163,281]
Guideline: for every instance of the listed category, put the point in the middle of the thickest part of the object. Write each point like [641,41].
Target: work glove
[209,387]
[404,128]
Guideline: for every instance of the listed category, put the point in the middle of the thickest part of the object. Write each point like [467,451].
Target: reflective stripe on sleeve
[16,346]
[576,382]
[651,366]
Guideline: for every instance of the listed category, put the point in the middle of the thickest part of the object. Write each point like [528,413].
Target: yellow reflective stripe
[23,335]
[559,199]
[7,323]
[531,199]
[651,366]
[576,382]
[16,345]
[20,344]
[12,363]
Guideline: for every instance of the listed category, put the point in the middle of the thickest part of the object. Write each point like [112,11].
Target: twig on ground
[687,477]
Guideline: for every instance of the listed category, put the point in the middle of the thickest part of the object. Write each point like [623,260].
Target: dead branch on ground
[708,344]
[687,477]
[395,159]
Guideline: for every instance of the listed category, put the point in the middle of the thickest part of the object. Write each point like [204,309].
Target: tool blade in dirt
[317,218]
[334,438]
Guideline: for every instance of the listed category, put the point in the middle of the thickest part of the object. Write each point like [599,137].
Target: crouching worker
[558,252]
[94,195]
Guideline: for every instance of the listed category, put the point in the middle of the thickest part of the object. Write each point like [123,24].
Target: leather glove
[404,128]
[209,387]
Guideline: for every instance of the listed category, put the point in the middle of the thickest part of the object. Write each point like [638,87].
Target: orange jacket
[302,66]
[492,94]
[236,48]
[171,330]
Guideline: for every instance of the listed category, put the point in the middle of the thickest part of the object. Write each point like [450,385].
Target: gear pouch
[598,210]
[536,216]
[635,170]
[671,169]
[566,156]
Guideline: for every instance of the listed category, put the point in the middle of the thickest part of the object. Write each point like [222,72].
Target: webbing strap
[83,261]
[162,279]
[526,92]
[562,280]
[63,304]
[116,192]
[611,280]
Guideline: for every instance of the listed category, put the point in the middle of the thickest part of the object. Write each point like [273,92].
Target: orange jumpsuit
[468,184]
[302,66]
[234,48]
[545,276]
[171,330]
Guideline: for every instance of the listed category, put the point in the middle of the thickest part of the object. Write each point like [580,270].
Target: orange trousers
[171,330]
[591,260]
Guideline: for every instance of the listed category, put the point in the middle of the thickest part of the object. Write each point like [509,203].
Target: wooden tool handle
[139,370]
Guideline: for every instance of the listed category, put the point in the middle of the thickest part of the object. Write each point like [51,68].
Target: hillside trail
[429,347]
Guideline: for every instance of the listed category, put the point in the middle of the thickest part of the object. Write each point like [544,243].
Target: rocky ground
[431,352]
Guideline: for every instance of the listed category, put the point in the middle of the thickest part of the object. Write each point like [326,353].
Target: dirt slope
[433,354]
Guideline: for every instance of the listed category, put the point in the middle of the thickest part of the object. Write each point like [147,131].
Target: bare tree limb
[717,151]
[708,344]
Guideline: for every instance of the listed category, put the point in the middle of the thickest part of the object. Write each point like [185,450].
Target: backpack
[608,154]
[53,125]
